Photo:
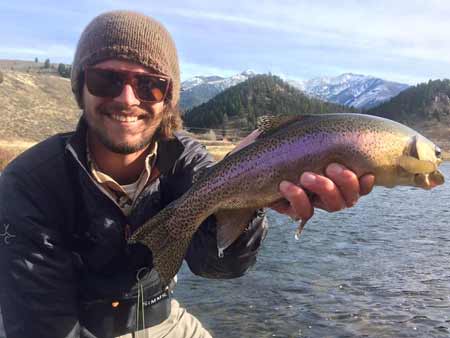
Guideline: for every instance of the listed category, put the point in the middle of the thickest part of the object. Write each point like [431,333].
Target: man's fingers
[366,184]
[300,206]
[346,181]
[328,193]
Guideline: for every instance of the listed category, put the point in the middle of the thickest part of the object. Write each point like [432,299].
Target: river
[380,269]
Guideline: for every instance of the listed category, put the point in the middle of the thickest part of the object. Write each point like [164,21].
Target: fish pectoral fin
[416,166]
[231,224]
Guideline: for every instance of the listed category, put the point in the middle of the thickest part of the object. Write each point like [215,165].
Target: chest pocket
[100,229]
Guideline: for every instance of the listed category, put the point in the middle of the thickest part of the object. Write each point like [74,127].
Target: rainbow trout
[249,178]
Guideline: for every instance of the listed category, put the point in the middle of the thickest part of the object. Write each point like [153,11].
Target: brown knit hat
[127,36]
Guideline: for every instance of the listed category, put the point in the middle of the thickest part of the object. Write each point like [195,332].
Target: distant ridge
[200,89]
[240,106]
[353,90]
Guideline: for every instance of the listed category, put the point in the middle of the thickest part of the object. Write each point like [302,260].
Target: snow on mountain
[355,90]
[200,89]
[359,91]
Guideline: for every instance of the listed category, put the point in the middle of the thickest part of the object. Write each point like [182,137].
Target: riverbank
[9,149]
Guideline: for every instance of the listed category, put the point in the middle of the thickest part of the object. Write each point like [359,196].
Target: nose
[127,96]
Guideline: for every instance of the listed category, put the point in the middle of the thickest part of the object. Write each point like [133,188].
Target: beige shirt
[124,195]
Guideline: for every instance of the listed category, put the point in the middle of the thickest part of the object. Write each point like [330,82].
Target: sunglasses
[147,87]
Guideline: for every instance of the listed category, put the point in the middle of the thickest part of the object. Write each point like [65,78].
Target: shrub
[210,135]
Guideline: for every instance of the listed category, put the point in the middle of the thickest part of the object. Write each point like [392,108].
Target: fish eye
[438,152]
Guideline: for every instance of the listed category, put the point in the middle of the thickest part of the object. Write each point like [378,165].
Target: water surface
[380,269]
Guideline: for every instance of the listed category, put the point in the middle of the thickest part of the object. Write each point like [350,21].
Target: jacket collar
[78,141]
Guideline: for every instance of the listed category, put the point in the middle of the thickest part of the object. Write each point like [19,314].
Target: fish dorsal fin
[269,124]
[415,166]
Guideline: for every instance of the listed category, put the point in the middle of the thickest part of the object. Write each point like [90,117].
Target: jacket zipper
[127,229]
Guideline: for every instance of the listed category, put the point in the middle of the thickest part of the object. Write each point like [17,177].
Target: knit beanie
[127,36]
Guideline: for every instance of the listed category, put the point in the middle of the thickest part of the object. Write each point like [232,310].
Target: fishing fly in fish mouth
[252,177]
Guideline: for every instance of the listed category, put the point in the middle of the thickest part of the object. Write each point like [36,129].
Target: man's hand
[339,189]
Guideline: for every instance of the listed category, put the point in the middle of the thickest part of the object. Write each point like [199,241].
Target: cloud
[413,29]
[299,38]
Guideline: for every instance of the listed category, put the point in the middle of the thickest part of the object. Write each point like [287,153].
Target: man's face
[123,124]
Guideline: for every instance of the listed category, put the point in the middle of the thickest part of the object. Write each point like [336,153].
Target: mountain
[239,107]
[200,89]
[353,90]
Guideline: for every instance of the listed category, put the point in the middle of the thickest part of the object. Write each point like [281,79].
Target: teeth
[124,118]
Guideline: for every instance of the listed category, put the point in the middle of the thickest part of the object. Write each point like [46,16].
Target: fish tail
[167,244]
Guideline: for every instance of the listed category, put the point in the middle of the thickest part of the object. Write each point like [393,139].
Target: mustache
[110,108]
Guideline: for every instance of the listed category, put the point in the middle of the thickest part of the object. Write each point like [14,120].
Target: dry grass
[35,106]
[10,149]
[219,152]
[5,157]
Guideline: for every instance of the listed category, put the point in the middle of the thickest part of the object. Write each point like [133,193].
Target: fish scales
[249,178]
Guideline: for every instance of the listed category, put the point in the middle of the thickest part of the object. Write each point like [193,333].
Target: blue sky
[404,40]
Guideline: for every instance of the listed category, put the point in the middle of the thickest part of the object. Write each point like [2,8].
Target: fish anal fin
[415,166]
[231,224]
[269,124]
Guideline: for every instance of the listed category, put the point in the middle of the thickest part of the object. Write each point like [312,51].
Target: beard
[112,144]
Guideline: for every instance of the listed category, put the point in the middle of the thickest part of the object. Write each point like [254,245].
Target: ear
[80,97]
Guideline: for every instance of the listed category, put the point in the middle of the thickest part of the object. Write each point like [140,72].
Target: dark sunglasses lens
[151,88]
[103,83]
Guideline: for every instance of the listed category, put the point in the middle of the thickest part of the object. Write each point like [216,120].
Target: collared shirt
[124,195]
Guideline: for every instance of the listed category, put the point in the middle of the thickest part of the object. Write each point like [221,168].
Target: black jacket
[63,252]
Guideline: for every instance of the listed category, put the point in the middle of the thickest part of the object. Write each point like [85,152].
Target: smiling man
[70,203]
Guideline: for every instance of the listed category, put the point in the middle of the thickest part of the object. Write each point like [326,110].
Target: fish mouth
[429,181]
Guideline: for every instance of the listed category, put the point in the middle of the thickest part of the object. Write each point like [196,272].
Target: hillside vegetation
[424,102]
[35,106]
[425,107]
[240,106]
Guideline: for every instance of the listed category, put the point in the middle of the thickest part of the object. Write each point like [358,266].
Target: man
[68,204]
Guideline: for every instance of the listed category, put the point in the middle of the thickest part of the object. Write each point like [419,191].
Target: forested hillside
[241,105]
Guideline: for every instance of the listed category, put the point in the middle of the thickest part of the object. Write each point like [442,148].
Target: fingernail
[335,169]
[307,179]
[284,185]
[353,202]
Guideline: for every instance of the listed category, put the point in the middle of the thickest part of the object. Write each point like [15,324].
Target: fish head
[418,165]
